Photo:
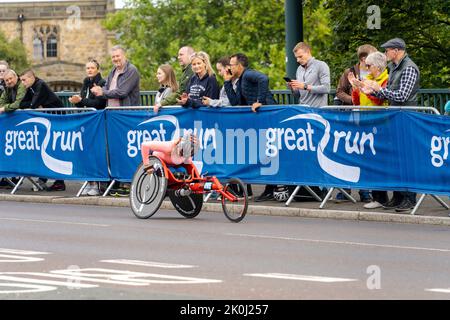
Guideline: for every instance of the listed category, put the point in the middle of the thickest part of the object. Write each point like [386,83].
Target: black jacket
[253,86]
[88,99]
[40,94]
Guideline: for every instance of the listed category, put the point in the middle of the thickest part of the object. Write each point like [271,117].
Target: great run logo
[228,146]
[237,146]
[439,149]
[66,141]
[302,140]
[164,124]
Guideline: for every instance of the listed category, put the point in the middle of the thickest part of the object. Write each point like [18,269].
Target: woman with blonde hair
[168,84]
[202,83]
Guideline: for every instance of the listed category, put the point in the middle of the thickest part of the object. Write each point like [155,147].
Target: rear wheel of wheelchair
[148,190]
[188,206]
[237,209]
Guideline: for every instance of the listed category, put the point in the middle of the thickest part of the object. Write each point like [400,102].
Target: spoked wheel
[188,206]
[235,209]
[148,190]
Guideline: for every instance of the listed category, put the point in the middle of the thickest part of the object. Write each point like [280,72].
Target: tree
[155,30]
[424,25]
[14,53]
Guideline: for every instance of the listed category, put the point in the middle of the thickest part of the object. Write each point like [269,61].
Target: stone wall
[80,35]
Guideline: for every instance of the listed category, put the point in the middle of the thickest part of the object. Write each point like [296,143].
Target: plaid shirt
[407,81]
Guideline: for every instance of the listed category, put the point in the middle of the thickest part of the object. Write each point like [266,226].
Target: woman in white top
[168,84]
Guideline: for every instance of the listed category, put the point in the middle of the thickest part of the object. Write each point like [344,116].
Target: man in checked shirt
[401,90]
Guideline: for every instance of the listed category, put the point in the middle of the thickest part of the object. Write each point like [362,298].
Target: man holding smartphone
[312,83]
[252,87]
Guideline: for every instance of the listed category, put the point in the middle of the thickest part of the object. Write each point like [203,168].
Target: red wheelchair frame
[185,191]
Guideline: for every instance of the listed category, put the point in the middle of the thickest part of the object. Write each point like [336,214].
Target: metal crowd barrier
[313,194]
[426,97]
[113,181]
[347,195]
[59,111]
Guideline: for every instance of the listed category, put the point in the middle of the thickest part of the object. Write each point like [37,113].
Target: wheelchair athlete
[173,153]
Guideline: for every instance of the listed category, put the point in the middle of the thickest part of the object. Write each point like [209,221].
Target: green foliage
[155,30]
[14,53]
[424,25]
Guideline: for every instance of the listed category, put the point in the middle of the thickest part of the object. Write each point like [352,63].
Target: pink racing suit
[165,150]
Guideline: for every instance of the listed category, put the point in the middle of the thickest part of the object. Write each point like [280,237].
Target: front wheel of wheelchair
[236,209]
[188,206]
[148,190]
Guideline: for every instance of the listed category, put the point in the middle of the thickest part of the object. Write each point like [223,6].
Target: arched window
[45,42]
[52,46]
[38,48]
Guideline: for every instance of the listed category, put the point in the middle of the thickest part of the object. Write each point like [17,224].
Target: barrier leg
[82,188]
[288,202]
[442,202]
[18,185]
[328,196]
[347,195]
[109,188]
[313,193]
[35,184]
[10,182]
[416,207]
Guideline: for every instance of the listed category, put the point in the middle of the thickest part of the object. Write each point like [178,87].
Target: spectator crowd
[370,82]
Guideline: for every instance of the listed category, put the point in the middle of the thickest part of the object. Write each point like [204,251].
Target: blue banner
[68,147]
[375,150]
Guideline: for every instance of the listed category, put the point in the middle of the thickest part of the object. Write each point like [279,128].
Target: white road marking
[31,288]
[439,290]
[15,255]
[16,258]
[72,278]
[16,276]
[133,278]
[21,252]
[61,222]
[339,242]
[148,264]
[298,277]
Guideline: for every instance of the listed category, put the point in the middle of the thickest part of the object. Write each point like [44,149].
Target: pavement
[429,212]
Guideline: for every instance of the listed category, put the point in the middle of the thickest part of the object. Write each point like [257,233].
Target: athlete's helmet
[188,145]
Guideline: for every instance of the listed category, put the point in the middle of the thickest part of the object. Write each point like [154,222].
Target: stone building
[59,37]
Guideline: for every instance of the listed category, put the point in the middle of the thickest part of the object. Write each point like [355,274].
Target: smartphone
[287,79]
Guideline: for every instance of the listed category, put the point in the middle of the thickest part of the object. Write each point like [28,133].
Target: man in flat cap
[401,90]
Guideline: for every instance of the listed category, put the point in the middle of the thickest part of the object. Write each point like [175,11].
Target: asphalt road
[90,252]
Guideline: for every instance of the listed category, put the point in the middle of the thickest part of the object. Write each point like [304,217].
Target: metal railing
[426,109]
[427,97]
[60,111]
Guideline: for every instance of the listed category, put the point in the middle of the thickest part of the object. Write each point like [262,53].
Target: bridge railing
[427,97]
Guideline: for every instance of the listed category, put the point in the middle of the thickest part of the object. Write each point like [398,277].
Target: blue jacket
[253,86]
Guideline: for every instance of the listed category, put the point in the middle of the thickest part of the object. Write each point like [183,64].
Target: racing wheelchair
[185,188]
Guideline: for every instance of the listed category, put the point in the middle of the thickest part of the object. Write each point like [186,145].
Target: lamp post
[21,19]
[294,32]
